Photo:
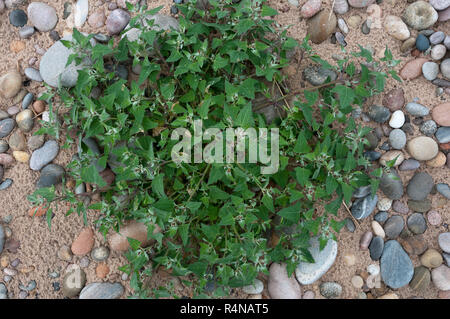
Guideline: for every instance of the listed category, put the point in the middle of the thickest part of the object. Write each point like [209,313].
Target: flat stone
[44,155]
[412,69]
[6,127]
[51,174]
[363,207]
[421,279]
[414,245]
[391,185]
[441,114]
[376,248]
[409,165]
[416,109]
[396,266]
[307,273]
[422,148]
[417,223]
[393,226]
[419,186]
[378,113]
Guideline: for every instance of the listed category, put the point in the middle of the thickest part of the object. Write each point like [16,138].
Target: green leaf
[90,175]
[302,175]
[301,146]
[267,11]
[346,95]
[291,213]
[245,117]
[158,185]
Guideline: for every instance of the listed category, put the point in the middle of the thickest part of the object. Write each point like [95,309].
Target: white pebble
[81,11]
[397,119]
[377,229]
[384,204]
[373,269]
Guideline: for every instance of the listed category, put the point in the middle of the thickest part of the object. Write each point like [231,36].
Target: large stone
[281,286]
[441,277]
[44,155]
[420,186]
[10,84]
[51,174]
[441,114]
[396,266]
[423,148]
[391,185]
[421,279]
[321,26]
[307,273]
[135,230]
[116,21]
[396,28]
[102,290]
[412,69]
[53,65]
[420,15]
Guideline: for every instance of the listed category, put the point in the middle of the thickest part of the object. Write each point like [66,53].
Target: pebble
[430,70]
[42,16]
[64,253]
[6,160]
[438,161]
[349,259]
[376,248]
[441,114]
[397,139]
[13,110]
[394,99]
[256,288]
[44,155]
[360,3]
[317,75]
[84,262]
[102,38]
[434,218]
[39,106]
[51,174]
[321,26]
[25,120]
[414,245]
[441,277]
[102,270]
[421,279]
[363,207]
[445,68]
[27,100]
[53,65]
[384,204]
[35,142]
[17,141]
[447,38]
[330,290]
[408,45]
[431,258]
[10,84]
[420,15]
[362,191]
[20,156]
[422,148]
[80,12]
[73,282]
[393,226]
[307,273]
[420,186]
[373,269]
[438,52]
[18,18]
[310,8]
[422,43]
[416,109]
[440,4]
[444,242]
[397,119]
[33,74]
[116,21]
[54,35]
[446,258]
[100,254]
[84,242]
[409,164]
[391,185]
[378,113]
[421,206]
[354,21]
[280,286]
[340,6]
[26,32]
[396,28]
[102,290]
[97,19]
[412,69]
[309,294]
[417,223]
[381,217]
[396,266]
[342,25]
[135,230]
[365,240]
[428,128]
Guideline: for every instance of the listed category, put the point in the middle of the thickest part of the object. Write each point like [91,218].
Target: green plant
[221,221]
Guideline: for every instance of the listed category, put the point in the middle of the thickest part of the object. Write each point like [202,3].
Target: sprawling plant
[221,223]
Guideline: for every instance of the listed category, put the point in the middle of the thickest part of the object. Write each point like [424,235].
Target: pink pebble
[434,218]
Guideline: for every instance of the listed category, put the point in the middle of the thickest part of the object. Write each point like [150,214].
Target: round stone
[42,16]
[18,18]
[420,15]
[10,84]
[377,229]
[100,254]
[357,282]
[384,204]
[420,186]
[428,128]
[381,217]
[422,148]
[396,28]
[330,290]
[117,21]
[394,99]
[422,43]
[416,109]
[438,52]
[430,70]
[321,26]
[441,114]
[431,258]
[397,139]
[438,161]
[417,224]
[412,69]
[393,226]
[397,119]
[434,218]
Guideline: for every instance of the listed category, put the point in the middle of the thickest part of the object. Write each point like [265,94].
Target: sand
[39,245]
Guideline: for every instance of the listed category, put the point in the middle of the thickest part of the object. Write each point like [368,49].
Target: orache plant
[222,222]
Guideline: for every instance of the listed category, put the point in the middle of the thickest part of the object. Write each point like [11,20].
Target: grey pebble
[27,100]
[33,74]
